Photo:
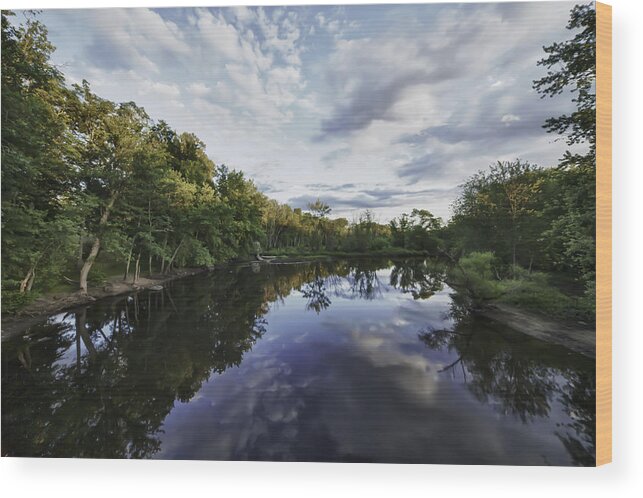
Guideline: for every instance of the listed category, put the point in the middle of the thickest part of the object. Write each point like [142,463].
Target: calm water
[364,361]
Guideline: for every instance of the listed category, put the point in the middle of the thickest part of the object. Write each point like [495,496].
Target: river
[361,360]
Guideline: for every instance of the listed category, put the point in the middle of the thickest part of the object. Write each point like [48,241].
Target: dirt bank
[581,339]
[48,305]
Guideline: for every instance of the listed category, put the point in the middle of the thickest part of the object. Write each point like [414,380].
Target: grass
[545,298]
[477,275]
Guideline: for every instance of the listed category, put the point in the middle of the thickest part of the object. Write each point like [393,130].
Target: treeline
[293,230]
[91,187]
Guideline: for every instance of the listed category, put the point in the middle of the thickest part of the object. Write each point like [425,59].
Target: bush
[97,276]
[535,293]
[475,273]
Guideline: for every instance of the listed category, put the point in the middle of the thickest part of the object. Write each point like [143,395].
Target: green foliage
[533,290]
[87,179]
[475,274]
[13,300]
[479,277]
[420,231]
[98,276]
[319,209]
[572,63]
[499,210]
[544,219]
[366,235]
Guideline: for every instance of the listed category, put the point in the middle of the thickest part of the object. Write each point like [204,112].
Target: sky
[380,107]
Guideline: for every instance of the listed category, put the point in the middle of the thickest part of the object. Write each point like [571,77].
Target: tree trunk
[149,220]
[87,265]
[163,255]
[79,263]
[129,260]
[514,258]
[513,249]
[137,268]
[176,251]
[25,284]
[33,276]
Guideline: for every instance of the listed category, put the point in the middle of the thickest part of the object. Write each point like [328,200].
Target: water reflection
[152,374]
[421,278]
[522,377]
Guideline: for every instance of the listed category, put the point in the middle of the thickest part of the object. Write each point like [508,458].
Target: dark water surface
[360,360]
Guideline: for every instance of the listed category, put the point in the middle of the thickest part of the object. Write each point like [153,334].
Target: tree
[319,210]
[114,144]
[572,234]
[36,157]
[498,211]
[418,231]
[574,61]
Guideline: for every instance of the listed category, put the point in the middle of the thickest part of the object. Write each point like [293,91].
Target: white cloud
[199,89]
[377,96]
[509,118]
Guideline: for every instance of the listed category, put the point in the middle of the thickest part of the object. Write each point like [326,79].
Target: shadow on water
[100,381]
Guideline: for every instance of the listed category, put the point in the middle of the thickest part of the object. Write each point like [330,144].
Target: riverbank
[580,339]
[52,303]
[47,305]
[575,336]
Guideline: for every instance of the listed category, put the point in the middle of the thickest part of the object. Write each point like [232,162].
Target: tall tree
[36,152]
[114,143]
[571,65]
[498,211]
[319,208]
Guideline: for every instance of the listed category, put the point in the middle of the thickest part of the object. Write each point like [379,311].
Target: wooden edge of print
[603,234]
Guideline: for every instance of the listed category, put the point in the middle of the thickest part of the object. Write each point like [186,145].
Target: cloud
[336,154]
[199,89]
[397,98]
[330,186]
[133,39]
[509,118]
[348,198]
[359,201]
[426,165]
[462,84]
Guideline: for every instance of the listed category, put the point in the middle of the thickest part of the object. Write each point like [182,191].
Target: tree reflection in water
[521,376]
[315,292]
[109,374]
[100,381]
[421,278]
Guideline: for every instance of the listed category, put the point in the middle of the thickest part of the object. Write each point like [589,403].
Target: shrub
[475,273]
